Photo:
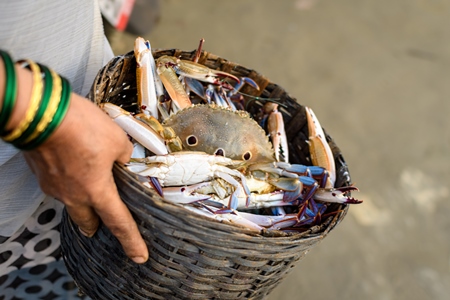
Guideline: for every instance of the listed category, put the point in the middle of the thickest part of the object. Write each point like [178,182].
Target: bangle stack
[48,104]
[10,94]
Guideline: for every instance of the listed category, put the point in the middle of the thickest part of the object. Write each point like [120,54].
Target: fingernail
[139,259]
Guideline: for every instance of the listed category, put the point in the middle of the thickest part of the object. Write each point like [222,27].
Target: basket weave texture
[191,256]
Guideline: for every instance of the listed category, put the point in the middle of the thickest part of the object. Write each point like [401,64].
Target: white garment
[68,37]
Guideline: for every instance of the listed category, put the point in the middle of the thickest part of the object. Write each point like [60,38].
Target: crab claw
[138,130]
[244,80]
[205,74]
[250,82]
[275,125]
[168,67]
[172,141]
[320,151]
[337,195]
[148,83]
[169,78]
[184,194]
[197,71]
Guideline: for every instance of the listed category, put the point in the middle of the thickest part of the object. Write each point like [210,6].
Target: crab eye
[247,155]
[220,152]
[192,140]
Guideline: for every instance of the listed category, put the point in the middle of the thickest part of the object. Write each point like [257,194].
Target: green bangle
[42,108]
[57,118]
[33,106]
[10,94]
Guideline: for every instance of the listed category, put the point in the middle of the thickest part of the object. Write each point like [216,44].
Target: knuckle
[122,231]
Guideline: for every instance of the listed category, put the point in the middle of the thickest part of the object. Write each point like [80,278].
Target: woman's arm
[75,164]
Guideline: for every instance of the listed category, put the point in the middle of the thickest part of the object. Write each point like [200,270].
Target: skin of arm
[74,165]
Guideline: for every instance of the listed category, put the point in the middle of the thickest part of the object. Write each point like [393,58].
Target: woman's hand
[75,166]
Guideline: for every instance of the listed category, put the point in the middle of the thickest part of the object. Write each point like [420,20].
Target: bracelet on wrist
[10,93]
[48,105]
[53,100]
[36,96]
[42,109]
[57,118]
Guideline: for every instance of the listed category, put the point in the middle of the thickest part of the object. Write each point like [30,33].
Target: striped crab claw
[137,129]
[320,151]
[275,125]
[144,129]
[337,195]
[150,88]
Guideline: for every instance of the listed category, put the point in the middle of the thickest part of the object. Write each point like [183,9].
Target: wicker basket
[191,256]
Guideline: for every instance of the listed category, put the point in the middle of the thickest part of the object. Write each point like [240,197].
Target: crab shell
[220,131]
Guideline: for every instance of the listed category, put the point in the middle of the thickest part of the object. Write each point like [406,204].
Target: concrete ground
[377,74]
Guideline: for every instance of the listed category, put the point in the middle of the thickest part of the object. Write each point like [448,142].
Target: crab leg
[138,130]
[209,94]
[320,151]
[148,83]
[172,84]
[271,222]
[184,194]
[234,217]
[199,72]
[195,86]
[278,198]
[220,98]
[199,51]
[172,141]
[168,67]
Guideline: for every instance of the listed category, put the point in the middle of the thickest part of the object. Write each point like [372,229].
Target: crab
[208,129]
[216,154]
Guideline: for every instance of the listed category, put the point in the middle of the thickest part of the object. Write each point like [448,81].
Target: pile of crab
[196,146]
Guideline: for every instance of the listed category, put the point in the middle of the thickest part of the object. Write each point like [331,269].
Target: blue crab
[215,154]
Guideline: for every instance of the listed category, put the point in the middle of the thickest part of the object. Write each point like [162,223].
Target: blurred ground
[377,74]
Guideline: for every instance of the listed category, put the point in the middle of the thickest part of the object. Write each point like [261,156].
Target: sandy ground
[377,74]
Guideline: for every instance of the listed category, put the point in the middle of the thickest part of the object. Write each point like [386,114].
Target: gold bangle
[55,98]
[35,100]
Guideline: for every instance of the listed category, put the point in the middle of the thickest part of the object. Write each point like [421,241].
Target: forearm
[73,158]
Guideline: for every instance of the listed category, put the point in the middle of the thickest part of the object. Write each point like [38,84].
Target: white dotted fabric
[31,265]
